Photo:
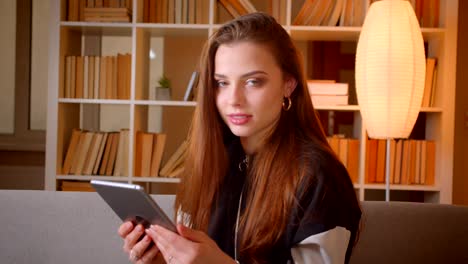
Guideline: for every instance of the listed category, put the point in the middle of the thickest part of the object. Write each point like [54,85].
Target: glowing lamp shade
[390,69]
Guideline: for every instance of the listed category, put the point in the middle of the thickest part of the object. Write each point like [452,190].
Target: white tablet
[131,203]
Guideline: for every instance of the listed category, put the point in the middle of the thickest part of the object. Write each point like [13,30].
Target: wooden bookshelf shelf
[165,103]
[94,101]
[98,28]
[175,29]
[381,186]
[175,50]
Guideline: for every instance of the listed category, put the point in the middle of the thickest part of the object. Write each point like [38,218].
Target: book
[81,158]
[67,87]
[79,77]
[247,5]
[418,161]
[329,100]
[73,77]
[305,9]
[343,151]
[334,142]
[430,162]
[158,150]
[381,161]
[102,78]
[405,160]
[353,159]
[398,156]
[76,186]
[371,160]
[392,161]
[73,10]
[231,10]
[119,168]
[90,77]
[113,154]
[107,14]
[146,153]
[93,153]
[423,162]
[318,12]
[190,87]
[238,7]
[97,79]
[107,150]
[327,88]
[412,162]
[138,153]
[335,14]
[109,77]
[429,82]
[71,152]
[99,156]
[174,159]
[85,76]
[327,12]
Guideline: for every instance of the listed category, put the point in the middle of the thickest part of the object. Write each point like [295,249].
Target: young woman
[261,183]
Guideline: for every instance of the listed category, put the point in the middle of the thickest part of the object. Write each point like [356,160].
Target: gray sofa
[71,227]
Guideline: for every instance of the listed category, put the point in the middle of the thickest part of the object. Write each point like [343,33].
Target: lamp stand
[387,172]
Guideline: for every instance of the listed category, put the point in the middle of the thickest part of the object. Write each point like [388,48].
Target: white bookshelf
[439,119]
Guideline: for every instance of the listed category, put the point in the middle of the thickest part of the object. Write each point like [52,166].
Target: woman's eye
[220,83]
[253,82]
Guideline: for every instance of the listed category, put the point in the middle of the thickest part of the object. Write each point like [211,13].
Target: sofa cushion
[401,232]
[61,227]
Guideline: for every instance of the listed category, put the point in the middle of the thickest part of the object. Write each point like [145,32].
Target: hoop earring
[288,106]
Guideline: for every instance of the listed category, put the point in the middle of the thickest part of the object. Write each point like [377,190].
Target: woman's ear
[290,85]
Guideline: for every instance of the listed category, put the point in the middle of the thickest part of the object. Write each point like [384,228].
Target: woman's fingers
[140,248]
[149,254]
[132,238]
[125,229]
[192,235]
[168,242]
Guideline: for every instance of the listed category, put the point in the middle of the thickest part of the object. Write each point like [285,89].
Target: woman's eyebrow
[245,75]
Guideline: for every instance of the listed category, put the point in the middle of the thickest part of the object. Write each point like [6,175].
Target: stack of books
[328,92]
[107,14]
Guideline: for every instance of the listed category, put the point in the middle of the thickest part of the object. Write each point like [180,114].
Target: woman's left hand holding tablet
[189,246]
[139,251]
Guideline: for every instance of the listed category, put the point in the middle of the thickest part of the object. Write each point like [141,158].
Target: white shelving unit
[63,113]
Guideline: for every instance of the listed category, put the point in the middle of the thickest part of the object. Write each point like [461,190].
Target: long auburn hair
[276,171]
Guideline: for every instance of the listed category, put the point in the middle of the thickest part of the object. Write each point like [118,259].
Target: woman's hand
[189,246]
[142,251]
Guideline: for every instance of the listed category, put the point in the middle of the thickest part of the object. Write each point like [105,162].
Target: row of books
[149,153]
[430,82]
[107,153]
[97,153]
[94,77]
[427,12]
[176,11]
[347,150]
[328,92]
[237,7]
[174,166]
[331,13]
[99,10]
[411,161]
[76,186]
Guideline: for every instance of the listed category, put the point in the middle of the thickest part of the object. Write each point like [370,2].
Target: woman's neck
[250,146]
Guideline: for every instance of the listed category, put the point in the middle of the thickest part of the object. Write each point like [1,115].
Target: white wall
[39,62]
[7,65]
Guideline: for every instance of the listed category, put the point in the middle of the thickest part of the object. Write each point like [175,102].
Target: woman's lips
[239,119]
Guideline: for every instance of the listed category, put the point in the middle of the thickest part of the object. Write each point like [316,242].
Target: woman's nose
[236,94]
